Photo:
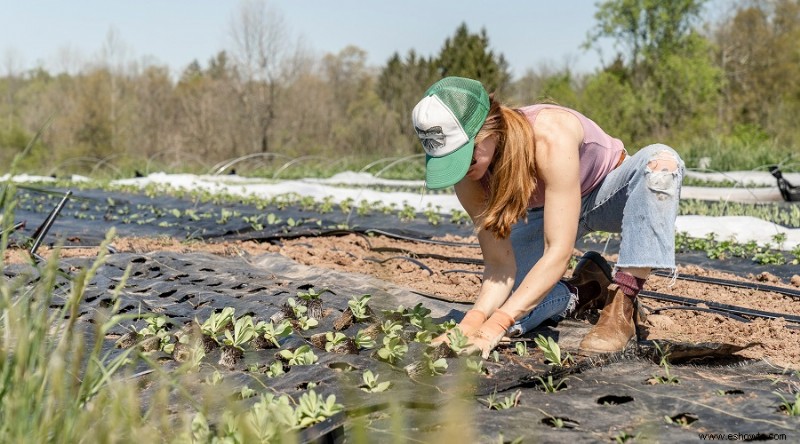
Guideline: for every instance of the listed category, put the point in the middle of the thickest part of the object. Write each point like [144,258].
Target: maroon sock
[628,283]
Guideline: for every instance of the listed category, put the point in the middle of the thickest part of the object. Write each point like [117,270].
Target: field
[294,319]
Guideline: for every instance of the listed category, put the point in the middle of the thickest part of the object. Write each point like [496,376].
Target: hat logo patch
[432,139]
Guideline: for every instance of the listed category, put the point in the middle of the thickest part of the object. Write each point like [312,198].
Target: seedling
[506,403]
[371,384]
[333,339]
[418,316]
[254,222]
[393,349]
[391,328]
[306,323]
[623,436]
[312,294]
[475,366]
[302,355]
[434,367]
[247,392]
[216,323]
[243,332]
[549,386]
[312,408]
[423,336]
[358,306]
[275,369]
[298,310]
[458,340]
[364,340]
[274,333]
[521,348]
[550,349]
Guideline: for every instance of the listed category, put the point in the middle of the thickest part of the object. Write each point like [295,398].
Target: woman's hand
[490,334]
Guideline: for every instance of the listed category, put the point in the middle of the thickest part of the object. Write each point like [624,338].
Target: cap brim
[442,172]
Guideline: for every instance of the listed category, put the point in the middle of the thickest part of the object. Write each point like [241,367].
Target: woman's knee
[664,170]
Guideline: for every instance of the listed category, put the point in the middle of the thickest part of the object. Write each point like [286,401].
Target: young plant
[312,408]
[371,384]
[393,350]
[521,348]
[419,316]
[549,386]
[391,328]
[333,340]
[273,333]
[243,332]
[302,355]
[216,323]
[306,323]
[550,349]
[358,306]
[275,369]
[458,340]
[506,403]
[364,340]
[434,367]
[476,366]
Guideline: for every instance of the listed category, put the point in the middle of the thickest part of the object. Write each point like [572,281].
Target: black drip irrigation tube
[734,309]
[737,284]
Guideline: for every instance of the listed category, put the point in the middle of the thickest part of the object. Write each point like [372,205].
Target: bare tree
[264,56]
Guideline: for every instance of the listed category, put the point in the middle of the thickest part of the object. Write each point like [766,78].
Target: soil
[429,268]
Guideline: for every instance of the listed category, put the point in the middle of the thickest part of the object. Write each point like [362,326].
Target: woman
[534,180]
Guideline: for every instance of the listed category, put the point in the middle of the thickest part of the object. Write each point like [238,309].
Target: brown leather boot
[591,277]
[615,327]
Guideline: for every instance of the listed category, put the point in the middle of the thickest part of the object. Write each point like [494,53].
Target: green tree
[666,65]
[400,85]
[468,55]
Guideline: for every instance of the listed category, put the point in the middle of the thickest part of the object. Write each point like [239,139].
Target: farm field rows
[719,353]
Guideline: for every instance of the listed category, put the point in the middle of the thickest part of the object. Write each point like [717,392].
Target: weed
[550,386]
[667,378]
[791,408]
[494,403]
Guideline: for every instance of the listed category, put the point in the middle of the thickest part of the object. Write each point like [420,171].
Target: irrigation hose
[721,307]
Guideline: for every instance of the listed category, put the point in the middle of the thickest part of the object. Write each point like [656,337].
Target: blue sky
[175,32]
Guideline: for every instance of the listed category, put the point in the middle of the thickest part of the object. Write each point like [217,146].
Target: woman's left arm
[558,135]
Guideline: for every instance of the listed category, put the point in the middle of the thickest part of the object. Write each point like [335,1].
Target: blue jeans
[632,200]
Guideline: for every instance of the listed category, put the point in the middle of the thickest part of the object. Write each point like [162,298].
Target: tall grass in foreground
[54,387]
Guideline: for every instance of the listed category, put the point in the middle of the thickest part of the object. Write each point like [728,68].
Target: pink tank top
[599,153]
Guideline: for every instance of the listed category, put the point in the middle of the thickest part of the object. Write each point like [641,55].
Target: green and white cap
[447,120]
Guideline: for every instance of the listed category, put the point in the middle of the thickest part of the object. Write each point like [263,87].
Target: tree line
[727,91]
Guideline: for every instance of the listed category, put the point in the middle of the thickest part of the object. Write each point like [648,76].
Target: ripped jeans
[633,200]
